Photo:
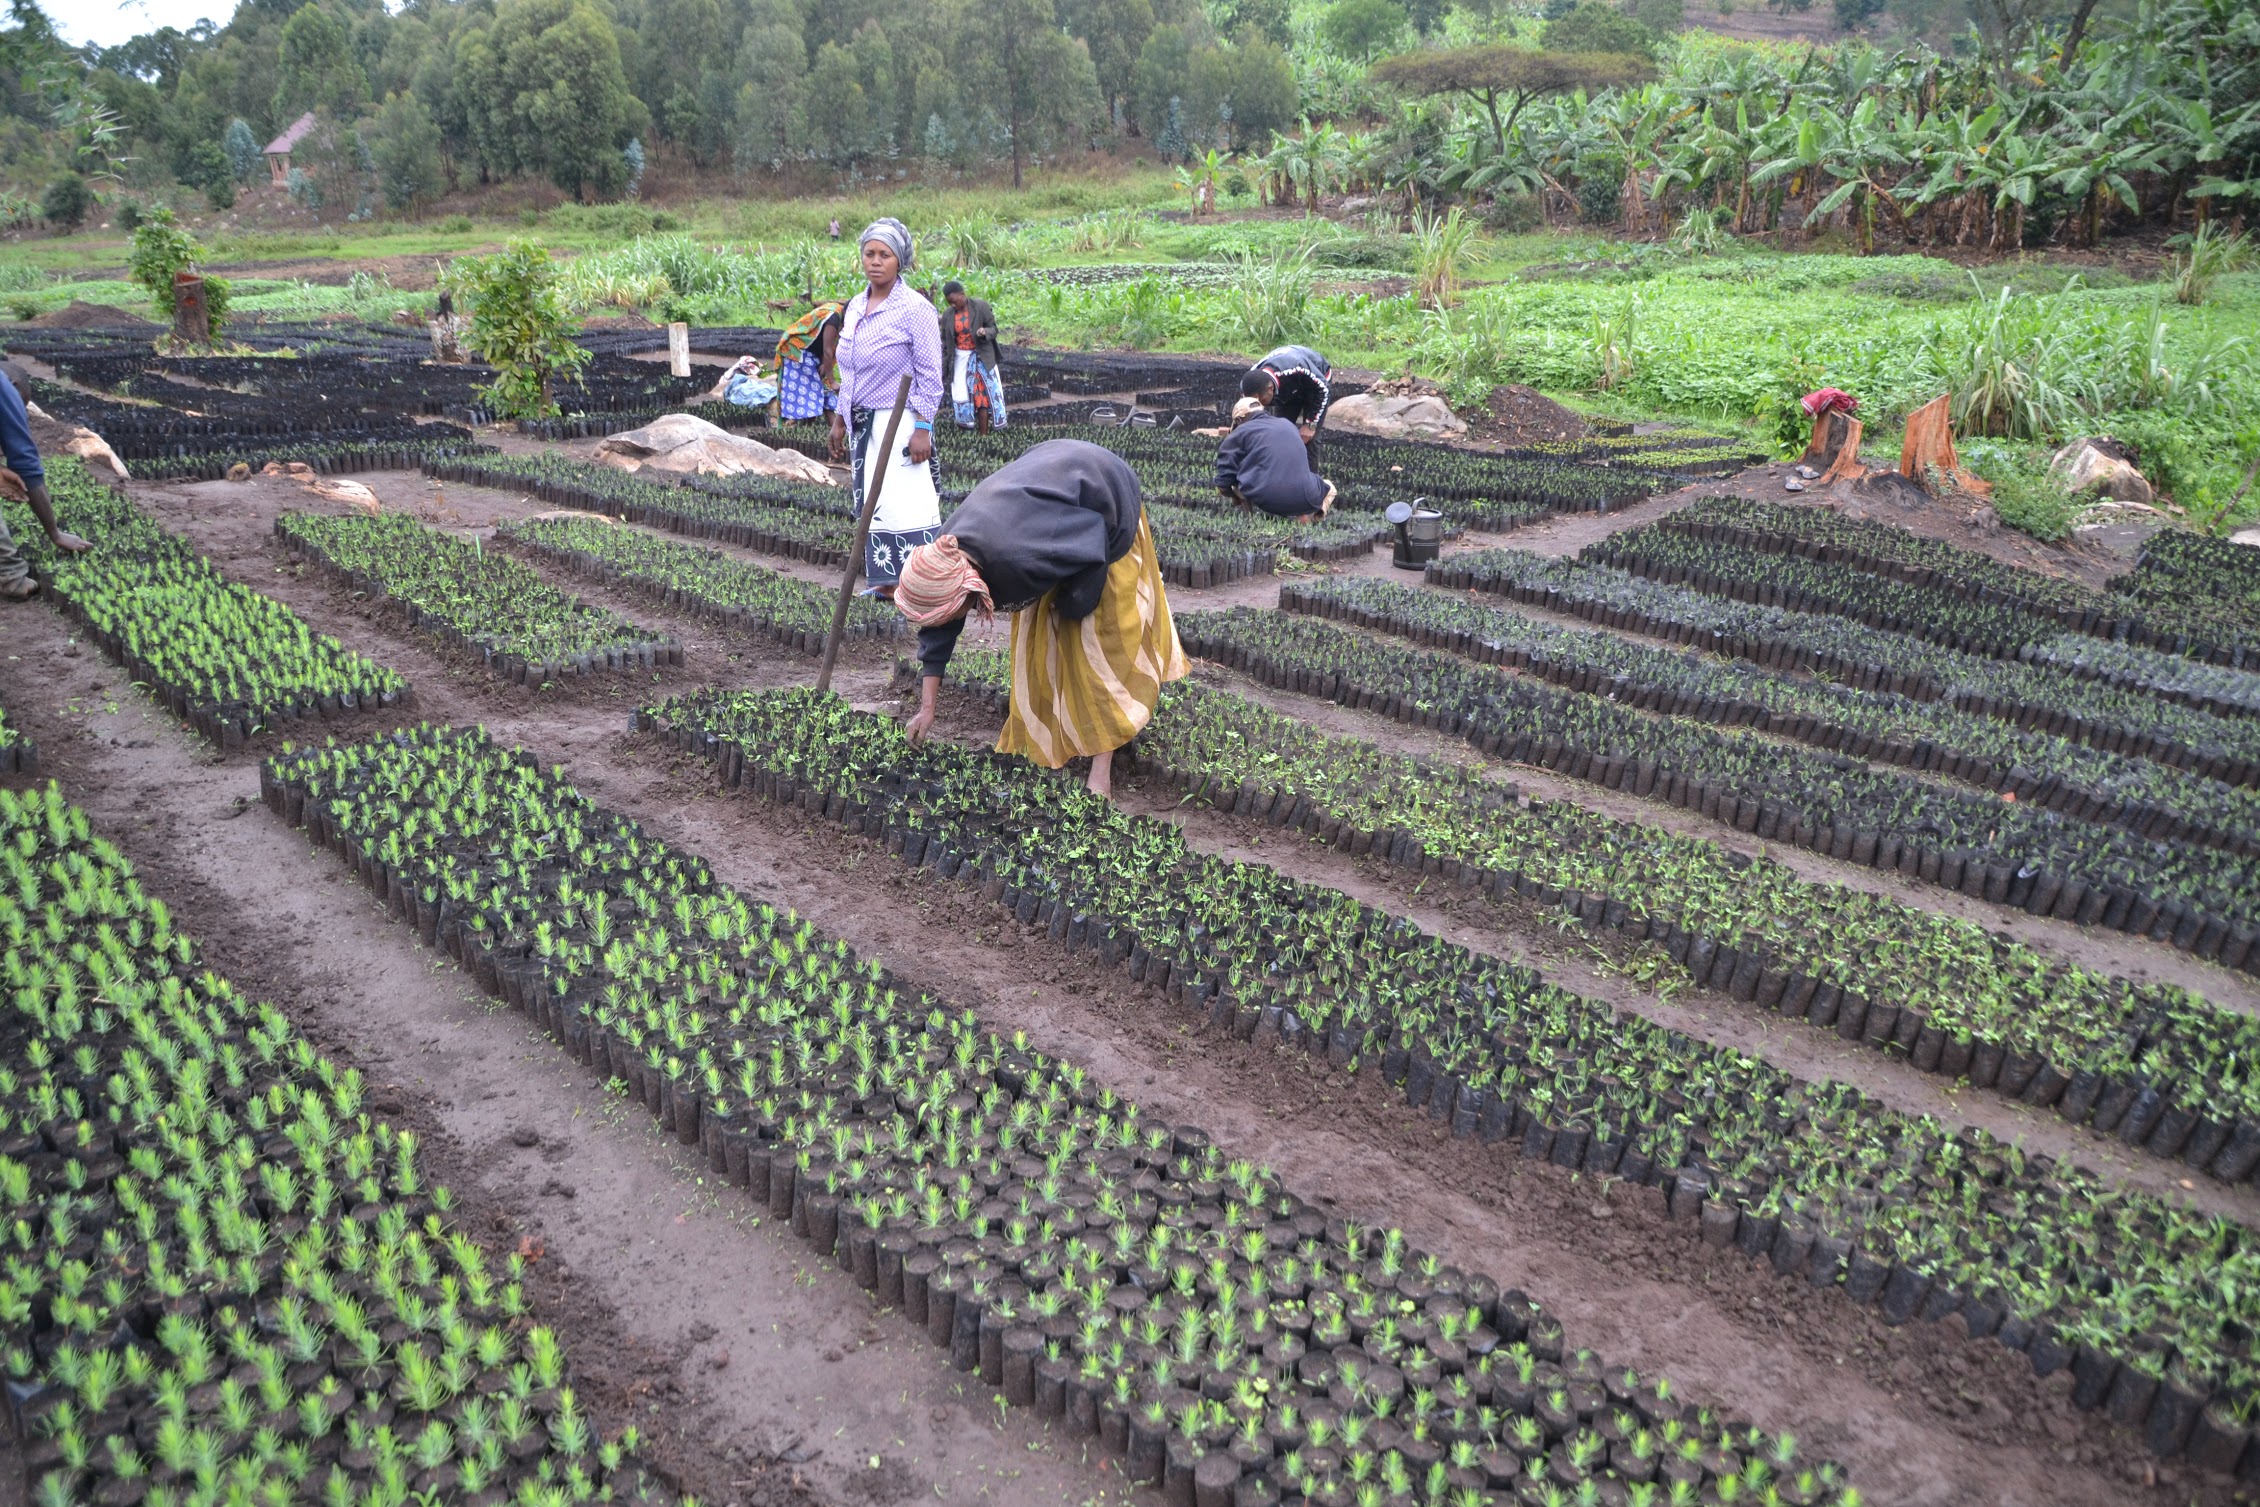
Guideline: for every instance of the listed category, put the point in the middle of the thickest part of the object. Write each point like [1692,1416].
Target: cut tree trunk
[1845,466]
[192,310]
[1834,433]
[1929,450]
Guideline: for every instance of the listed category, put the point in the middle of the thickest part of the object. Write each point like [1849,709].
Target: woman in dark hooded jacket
[1058,538]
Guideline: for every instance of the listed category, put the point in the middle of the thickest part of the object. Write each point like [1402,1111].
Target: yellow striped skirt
[1084,688]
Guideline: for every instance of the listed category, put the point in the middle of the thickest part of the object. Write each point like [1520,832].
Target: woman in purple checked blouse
[890,329]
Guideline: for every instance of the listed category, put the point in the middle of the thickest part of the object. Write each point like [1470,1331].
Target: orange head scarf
[939,582]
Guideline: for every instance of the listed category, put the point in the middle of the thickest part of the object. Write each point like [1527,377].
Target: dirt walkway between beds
[1921,1416]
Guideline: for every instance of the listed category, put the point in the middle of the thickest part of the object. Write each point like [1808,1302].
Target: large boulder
[2103,466]
[683,443]
[1396,418]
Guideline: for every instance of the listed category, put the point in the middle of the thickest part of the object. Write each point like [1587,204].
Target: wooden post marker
[876,463]
[192,312]
[679,348]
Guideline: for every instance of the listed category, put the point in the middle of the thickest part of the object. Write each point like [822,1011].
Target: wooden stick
[862,530]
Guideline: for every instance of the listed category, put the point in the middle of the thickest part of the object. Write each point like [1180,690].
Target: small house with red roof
[278,150]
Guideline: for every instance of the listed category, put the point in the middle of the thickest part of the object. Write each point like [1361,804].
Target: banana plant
[1858,151]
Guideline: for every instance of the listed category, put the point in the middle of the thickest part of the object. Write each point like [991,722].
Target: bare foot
[1102,774]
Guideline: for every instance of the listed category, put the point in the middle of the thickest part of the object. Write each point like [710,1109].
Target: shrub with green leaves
[519,325]
[162,250]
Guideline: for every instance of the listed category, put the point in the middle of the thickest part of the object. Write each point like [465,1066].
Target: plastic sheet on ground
[680,442]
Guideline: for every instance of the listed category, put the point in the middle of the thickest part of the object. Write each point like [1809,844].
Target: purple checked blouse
[879,345]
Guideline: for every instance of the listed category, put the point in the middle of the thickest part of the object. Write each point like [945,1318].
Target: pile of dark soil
[81,315]
[1519,415]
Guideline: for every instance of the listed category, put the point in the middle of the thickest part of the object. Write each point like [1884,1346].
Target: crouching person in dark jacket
[1263,464]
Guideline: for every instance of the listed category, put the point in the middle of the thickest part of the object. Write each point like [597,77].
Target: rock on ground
[2101,466]
[1424,418]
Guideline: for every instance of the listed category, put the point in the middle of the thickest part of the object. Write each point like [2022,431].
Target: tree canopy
[1494,74]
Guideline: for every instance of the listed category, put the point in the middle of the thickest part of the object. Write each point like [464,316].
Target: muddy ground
[760,1377]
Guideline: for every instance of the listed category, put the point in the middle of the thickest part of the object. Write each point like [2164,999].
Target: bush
[207,167]
[455,225]
[1514,214]
[1386,253]
[1594,27]
[1359,28]
[242,148]
[161,251]
[519,326]
[2024,494]
[1600,198]
[66,202]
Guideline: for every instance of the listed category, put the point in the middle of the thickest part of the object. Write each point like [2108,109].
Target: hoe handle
[862,532]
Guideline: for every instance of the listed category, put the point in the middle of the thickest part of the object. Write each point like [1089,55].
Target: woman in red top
[969,350]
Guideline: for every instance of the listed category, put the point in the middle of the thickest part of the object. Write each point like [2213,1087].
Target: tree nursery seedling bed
[1323,929]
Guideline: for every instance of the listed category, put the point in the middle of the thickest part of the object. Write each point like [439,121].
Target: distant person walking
[1058,538]
[1262,465]
[888,329]
[25,481]
[808,373]
[969,342]
[1296,383]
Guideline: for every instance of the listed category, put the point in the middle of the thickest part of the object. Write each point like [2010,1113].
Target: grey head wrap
[892,234]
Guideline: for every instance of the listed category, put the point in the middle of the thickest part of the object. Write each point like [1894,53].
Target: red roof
[291,137]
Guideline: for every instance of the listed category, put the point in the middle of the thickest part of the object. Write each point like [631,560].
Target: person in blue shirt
[25,479]
[1263,464]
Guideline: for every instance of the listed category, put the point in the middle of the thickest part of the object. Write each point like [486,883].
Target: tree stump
[1831,432]
[1929,449]
[192,311]
[1845,464]
[447,331]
